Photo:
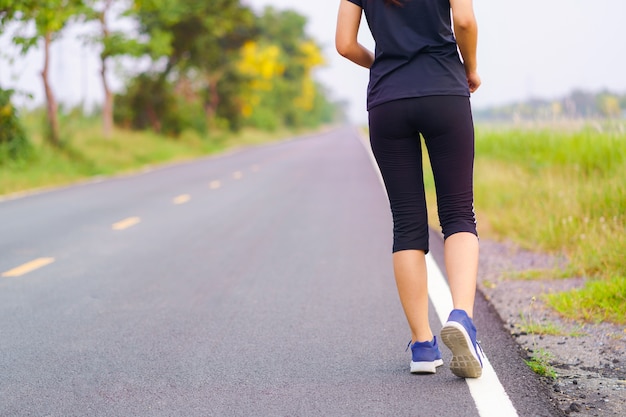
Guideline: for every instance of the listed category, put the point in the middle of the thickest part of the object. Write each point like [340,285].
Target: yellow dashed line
[126,223]
[182,199]
[214,185]
[237,175]
[28,267]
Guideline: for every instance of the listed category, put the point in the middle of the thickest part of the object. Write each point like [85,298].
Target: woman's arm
[466,32]
[348,21]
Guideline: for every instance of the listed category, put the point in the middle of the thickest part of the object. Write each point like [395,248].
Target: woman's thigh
[448,131]
[397,148]
[446,124]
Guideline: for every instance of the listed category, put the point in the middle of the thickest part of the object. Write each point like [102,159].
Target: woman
[419,86]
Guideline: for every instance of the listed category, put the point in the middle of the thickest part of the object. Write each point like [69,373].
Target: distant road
[257,283]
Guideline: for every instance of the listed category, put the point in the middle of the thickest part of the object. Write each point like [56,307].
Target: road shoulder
[588,358]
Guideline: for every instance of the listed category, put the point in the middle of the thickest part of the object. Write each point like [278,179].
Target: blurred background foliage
[212,66]
[13,140]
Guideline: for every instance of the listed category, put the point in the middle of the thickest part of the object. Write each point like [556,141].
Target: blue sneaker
[459,335]
[426,357]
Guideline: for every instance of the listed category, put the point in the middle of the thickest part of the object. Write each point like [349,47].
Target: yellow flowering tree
[310,57]
[278,68]
[261,66]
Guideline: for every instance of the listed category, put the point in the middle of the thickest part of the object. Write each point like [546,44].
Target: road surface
[255,283]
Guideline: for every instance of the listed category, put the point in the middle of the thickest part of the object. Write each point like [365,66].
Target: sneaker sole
[425,367]
[464,362]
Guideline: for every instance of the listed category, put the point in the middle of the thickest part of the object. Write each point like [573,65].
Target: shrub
[14,143]
[149,103]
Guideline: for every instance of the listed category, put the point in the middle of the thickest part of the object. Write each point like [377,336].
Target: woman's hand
[473,80]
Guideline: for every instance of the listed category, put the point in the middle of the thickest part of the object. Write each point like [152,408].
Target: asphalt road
[256,283]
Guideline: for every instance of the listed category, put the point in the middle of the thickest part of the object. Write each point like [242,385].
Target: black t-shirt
[416,53]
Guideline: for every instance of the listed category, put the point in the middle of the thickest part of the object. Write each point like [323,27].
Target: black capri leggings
[445,123]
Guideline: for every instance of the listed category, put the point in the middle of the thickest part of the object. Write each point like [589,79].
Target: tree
[261,66]
[203,38]
[50,17]
[609,105]
[279,69]
[114,43]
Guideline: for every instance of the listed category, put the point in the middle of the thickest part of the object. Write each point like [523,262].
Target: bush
[149,103]
[14,143]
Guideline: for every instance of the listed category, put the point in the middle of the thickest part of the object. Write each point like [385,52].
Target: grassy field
[87,154]
[560,191]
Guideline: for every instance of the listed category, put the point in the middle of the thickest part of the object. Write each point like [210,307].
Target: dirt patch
[589,359]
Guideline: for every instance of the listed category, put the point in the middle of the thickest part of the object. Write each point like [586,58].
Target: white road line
[215,184]
[237,175]
[488,393]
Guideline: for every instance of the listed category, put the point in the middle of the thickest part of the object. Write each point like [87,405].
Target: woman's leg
[450,142]
[396,145]
[410,272]
[461,258]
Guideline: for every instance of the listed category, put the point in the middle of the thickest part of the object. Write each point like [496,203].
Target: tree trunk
[212,100]
[107,110]
[51,104]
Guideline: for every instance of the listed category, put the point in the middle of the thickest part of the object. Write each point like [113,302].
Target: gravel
[588,358]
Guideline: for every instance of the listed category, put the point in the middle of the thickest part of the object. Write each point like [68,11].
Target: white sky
[531,48]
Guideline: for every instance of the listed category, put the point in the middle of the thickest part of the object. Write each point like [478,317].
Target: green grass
[599,300]
[542,329]
[563,192]
[86,153]
[539,362]
[530,325]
